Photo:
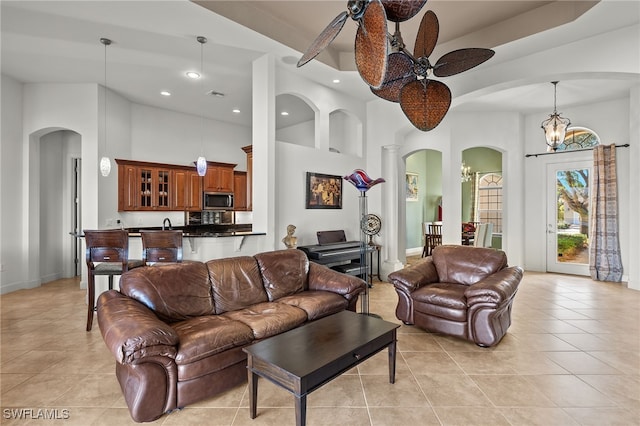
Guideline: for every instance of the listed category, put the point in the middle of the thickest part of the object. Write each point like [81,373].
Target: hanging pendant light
[105,162]
[201,163]
[555,127]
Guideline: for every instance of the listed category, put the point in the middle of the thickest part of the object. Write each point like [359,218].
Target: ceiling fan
[401,76]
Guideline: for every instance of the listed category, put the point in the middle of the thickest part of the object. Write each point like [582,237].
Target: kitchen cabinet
[240,191]
[219,177]
[143,186]
[186,189]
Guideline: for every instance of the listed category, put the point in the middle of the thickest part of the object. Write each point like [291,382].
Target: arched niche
[295,120]
[345,133]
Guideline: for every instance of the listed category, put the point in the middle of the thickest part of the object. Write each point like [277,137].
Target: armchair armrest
[132,331]
[415,276]
[322,278]
[497,288]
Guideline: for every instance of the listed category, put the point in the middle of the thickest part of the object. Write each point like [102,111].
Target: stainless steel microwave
[217,201]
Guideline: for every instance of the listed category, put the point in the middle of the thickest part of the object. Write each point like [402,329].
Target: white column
[391,191]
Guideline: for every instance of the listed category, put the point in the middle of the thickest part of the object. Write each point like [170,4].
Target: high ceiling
[154,45]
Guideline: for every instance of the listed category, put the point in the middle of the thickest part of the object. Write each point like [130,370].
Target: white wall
[12,246]
[293,164]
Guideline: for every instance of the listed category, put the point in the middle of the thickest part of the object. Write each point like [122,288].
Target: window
[578,138]
[488,205]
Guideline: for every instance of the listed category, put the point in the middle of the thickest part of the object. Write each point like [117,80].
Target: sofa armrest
[496,288]
[415,276]
[132,331]
[322,278]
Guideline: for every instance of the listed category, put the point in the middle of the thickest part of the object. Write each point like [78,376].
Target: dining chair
[107,253]
[434,236]
[425,232]
[484,235]
[161,246]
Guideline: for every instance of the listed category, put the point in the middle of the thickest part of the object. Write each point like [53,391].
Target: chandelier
[555,127]
[465,172]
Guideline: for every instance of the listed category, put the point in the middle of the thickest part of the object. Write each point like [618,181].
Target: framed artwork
[323,191]
[412,186]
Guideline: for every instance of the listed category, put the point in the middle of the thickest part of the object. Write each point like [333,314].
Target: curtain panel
[605,262]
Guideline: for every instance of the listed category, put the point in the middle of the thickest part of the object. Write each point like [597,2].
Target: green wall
[428,165]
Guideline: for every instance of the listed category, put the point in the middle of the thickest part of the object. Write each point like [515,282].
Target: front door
[568,210]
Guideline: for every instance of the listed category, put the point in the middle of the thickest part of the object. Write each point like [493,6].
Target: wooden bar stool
[161,246]
[107,253]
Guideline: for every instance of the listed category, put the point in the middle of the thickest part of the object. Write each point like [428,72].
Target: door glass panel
[572,230]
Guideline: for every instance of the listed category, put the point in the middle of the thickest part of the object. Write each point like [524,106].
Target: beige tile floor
[571,357]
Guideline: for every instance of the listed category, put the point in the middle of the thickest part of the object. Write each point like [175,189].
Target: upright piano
[334,251]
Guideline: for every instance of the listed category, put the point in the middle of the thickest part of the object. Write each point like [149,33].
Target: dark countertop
[198,231]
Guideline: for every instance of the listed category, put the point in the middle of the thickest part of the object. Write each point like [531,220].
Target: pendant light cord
[106,42]
[202,40]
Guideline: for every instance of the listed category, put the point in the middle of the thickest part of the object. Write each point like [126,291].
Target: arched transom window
[578,138]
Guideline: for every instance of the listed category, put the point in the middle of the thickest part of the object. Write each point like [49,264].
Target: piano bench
[353,268]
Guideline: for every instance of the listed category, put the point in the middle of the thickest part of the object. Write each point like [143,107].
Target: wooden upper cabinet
[186,190]
[240,190]
[219,177]
[128,195]
[144,186]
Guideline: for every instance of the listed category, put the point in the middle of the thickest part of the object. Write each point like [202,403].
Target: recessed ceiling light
[284,113]
[236,111]
[193,74]
[165,93]
[336,81]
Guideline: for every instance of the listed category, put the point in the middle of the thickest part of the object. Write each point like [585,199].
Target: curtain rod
[626,145]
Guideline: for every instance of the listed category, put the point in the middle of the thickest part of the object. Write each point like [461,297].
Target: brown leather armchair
[461,291]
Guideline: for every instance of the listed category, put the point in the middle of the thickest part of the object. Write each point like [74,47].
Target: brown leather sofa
[461,291]
[177,330]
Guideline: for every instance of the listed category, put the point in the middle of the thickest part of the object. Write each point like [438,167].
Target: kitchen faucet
[164,223]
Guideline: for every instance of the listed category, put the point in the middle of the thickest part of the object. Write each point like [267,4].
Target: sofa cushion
[284,272]
[269,318]
[208,335]
[175,291]
[316,304]
[236,283]
[444,300]
[467,265]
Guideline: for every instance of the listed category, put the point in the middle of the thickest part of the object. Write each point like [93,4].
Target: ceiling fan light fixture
[555,127]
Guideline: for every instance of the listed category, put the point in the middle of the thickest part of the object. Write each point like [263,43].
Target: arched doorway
[55,204]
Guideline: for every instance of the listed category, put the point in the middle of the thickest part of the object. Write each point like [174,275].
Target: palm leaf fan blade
[461,60]
[402,10]
[324,39]
[427,36]
[399,73]
[425,103]
[371,45]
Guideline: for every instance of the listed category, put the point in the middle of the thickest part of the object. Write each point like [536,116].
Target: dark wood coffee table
[305,358]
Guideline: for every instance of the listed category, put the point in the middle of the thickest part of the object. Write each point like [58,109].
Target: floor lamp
[363,183]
